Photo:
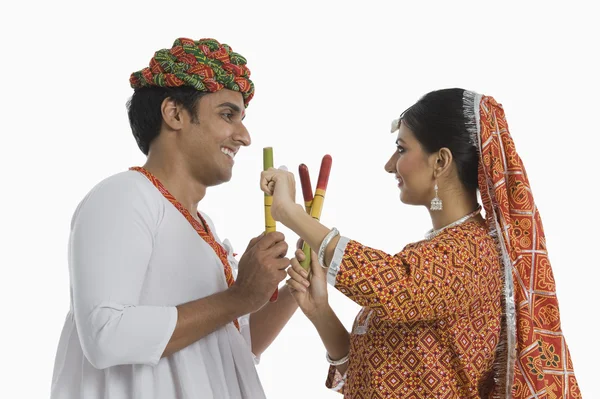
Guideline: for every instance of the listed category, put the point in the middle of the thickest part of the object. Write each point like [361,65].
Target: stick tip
[324,172]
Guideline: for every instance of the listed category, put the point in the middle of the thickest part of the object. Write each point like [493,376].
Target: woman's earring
[436,202]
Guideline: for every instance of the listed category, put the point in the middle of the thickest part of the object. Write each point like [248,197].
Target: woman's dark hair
[143,109]
[437,121]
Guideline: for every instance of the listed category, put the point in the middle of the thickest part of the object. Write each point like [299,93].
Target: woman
[468,312]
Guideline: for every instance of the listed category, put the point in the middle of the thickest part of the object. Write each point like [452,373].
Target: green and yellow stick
[269,221]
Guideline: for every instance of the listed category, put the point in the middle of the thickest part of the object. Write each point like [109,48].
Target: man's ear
[171,113]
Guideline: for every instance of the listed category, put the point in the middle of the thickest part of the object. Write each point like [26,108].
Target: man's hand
[261,269]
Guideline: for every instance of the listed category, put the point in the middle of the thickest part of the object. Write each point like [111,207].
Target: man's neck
[178,181]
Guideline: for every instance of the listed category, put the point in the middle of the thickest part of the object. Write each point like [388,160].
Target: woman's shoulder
[473,237]
[468,235]
[472,230]
[468,243]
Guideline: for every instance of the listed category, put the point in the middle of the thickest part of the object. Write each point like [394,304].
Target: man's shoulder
[123,184]
[121,191]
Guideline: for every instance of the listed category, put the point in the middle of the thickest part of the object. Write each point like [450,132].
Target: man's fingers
[270,239]
[278,250]
[254,241]
[282,263]
[281,275]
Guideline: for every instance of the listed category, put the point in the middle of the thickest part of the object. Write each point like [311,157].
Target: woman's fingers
[297,276]
[294,285]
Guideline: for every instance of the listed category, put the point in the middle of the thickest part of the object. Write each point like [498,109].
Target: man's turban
[206,65]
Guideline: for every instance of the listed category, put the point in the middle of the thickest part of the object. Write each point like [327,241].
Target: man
[155,310]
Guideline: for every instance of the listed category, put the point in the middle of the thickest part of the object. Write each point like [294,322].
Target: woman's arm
[334,335]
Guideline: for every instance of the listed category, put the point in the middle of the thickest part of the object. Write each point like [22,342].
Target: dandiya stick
[269,221]
[319,198]
[308,199]
[306,187]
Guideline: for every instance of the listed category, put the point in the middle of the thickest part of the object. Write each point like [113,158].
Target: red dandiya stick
[319,197]
[306,188]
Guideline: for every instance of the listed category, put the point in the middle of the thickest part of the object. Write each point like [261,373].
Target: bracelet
[336,362]
[334,232]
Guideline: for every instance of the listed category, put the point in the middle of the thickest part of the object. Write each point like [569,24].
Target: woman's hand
[311,295]
[282,186]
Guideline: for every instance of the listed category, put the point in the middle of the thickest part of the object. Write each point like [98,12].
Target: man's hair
[144,110]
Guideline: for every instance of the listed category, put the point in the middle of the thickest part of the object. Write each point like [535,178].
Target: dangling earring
[436,202]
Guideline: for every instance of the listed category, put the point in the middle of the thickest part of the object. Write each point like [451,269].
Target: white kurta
[133,257]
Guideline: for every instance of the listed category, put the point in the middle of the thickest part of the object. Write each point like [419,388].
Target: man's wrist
[239,302]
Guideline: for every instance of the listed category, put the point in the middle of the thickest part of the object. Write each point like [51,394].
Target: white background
[330,76]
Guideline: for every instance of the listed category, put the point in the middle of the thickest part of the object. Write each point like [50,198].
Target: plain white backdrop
[329,76]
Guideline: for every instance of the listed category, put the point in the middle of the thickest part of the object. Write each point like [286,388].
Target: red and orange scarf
[534,359]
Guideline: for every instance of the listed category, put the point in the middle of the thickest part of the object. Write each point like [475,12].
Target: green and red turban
[206,65]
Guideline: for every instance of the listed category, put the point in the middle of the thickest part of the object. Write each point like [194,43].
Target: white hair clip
[395,125]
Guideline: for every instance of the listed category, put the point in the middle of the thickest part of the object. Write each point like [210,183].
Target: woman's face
[413,169]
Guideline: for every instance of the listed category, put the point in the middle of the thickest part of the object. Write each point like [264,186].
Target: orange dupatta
[534,361]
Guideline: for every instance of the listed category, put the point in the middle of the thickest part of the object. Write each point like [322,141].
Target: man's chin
[223,178]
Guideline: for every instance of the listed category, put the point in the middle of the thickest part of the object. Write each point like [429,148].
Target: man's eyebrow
[234,107]
[230,105]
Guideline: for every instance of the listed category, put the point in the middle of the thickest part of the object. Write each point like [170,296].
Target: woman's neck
[456,204]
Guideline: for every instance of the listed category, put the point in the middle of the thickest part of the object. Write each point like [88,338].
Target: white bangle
[334,232]
[336,362]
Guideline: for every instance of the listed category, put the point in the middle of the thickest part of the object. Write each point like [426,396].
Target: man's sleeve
[110,248]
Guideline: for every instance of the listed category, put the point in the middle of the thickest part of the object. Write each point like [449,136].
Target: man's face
[210,141]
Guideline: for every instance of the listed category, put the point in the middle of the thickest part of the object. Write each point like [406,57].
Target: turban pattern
[206,65]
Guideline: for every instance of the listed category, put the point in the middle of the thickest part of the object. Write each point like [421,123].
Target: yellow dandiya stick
[269,221]
[319,198]
[308,199]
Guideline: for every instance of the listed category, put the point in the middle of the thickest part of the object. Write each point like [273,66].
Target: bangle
[334,232]
[336,362]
